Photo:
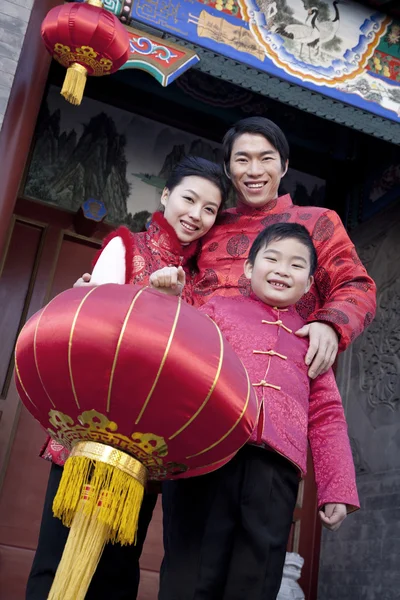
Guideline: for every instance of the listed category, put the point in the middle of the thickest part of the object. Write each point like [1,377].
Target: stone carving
[377,351]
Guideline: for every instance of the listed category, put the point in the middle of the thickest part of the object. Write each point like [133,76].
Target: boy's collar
[255,298]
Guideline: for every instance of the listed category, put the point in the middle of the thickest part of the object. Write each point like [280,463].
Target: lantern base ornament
[99,498]
[74,84]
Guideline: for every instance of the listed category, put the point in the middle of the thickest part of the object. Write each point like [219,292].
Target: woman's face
[191,207]
[255,169]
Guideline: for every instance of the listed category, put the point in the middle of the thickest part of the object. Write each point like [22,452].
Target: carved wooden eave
[293,94]
[269,85]
[164,60]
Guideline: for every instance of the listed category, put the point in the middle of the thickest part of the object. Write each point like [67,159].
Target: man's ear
[248,269]
[226,169]
[285,169]
[309,283]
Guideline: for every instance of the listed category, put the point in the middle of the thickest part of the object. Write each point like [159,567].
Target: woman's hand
[84,281]
[169,280]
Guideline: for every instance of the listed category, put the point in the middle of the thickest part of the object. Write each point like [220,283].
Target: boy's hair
[194,166]
[256,126]
[284,231]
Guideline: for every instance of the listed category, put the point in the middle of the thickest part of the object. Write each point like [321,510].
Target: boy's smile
[280,275]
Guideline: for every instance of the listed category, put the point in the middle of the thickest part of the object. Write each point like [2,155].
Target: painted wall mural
[336,47]
[120,158]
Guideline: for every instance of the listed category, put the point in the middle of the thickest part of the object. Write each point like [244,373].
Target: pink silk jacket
[294,408]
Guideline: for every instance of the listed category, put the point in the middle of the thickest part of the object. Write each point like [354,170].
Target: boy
[225,534]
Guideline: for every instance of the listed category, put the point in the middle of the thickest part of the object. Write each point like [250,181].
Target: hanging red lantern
[87,40]
[138,385]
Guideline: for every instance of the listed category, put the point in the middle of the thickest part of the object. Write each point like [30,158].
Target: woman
[194,194]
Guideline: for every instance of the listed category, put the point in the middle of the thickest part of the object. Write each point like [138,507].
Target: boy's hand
[83,281]
[323,348]
[169,280]
[333,515]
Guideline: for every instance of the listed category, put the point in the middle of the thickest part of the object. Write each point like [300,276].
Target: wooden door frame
[21,113]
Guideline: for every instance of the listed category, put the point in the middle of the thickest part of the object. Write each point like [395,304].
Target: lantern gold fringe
[74,84]
[99,497]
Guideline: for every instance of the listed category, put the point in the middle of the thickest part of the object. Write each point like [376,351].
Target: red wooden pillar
[21,114]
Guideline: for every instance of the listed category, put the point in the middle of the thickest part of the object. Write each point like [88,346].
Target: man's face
[280,275]
[255,169]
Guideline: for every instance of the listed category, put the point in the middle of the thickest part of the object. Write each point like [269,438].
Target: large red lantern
[87,40]
[139,385]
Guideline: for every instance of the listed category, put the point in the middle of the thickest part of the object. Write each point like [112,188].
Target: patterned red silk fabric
[343,294]
[295,408]
[135,380]
[145,252]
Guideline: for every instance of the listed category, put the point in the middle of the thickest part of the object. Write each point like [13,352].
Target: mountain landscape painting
[122,159]
[106,153]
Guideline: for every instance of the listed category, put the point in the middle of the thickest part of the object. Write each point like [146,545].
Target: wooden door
[43,257]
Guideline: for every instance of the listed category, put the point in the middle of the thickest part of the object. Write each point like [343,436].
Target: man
[342,301]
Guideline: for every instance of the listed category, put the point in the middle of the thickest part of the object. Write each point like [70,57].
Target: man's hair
[284,231]
[194,166]
[256,126]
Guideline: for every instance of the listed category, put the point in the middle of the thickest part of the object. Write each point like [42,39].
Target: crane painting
[321,41]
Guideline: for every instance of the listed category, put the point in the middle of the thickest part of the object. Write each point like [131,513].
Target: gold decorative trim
[233,426]
[20,380]
[70,344]
[98,3]
[113,457]
[35,354]
[171,336]
[221,357]
[121,335]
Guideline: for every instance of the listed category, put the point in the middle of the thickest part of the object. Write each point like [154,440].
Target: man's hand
[333,515]
[323,347]
[83,281]
[169,280]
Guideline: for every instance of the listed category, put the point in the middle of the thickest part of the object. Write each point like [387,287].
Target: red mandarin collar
[167,238]
[282,203]
[268,307]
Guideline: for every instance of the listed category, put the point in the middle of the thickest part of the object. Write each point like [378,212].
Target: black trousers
[225,534]
[117,576]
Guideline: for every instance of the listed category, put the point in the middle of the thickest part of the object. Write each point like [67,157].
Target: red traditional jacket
[146,252]
[343,294]
[294,408]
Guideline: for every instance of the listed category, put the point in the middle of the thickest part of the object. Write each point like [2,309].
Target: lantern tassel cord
[100,502]
[74,84]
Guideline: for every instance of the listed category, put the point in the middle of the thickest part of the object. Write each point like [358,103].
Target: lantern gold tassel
[99,497]
[74,84]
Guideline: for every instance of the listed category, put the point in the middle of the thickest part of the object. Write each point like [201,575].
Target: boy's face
[280,275]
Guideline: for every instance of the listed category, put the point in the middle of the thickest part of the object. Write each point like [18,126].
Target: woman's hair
[284,231]
[194,166]
[256,126]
